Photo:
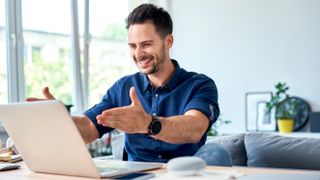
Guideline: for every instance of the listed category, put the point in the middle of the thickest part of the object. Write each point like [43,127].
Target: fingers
[47,94]
[113,119]
[112,114]
[129,119]
[117,122]
[115,111]
[134,97]
[103,117]
[29,99]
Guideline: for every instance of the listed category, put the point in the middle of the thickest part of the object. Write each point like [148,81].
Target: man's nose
[138,52]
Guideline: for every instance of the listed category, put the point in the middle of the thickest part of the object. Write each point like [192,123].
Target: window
[3,66]
[47,54]
[3,56]
[109,56]
[42,53]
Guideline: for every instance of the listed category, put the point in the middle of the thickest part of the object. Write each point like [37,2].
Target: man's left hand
[130,119]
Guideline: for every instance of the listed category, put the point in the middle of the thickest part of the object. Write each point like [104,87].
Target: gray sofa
[258,150]
[270,150]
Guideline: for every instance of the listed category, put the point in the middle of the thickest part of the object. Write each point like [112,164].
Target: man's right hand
[46,93]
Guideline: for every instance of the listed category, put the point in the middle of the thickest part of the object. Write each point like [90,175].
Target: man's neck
[163,75]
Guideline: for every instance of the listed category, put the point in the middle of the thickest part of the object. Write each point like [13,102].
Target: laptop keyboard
[114,167]
[107,169]
[103,166]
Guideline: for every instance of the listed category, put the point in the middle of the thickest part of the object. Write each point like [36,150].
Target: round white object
[186,166]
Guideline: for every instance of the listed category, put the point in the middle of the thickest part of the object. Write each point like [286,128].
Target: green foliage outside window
[214,129]
[108,62]
[54,73]
[115,31]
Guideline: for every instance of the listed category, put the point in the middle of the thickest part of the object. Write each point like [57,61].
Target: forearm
[86,128]
[182,129]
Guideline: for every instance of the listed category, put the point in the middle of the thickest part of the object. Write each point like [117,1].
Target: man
[164,110]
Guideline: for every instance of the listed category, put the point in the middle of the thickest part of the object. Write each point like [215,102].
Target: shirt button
[154,114]
[159,156]
[156,95]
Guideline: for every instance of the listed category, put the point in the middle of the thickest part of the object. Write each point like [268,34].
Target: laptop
[49,142]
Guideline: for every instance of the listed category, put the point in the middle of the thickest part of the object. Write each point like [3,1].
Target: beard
[157,60]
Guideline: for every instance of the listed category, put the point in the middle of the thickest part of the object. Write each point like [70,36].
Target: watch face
[156,127]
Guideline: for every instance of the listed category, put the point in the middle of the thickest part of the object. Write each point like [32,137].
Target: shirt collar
[170,84]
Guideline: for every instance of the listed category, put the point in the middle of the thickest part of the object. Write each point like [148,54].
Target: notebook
[49,142]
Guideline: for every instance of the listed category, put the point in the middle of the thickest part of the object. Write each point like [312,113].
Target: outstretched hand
[130,119]
[47,94]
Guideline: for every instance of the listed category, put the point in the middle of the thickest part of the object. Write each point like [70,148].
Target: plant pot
[285,125]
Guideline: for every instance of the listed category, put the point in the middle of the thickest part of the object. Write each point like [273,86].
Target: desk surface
[24,173]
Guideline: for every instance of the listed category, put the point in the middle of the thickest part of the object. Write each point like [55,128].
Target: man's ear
[168,41]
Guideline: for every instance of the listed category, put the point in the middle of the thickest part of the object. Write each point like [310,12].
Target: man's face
[147,48]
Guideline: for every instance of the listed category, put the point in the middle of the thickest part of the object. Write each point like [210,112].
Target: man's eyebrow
[143,42]
[148,41]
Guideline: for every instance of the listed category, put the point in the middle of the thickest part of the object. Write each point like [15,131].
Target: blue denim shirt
[184,91]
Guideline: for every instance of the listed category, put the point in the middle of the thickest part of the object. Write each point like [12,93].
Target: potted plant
[284,115]
[214,129]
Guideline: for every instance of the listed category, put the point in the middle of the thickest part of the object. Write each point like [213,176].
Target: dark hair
[148,12]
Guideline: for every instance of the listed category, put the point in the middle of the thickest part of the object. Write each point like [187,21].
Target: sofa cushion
[269,150]
[235,145]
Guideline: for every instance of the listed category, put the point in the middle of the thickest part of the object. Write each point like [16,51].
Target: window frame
[15,45]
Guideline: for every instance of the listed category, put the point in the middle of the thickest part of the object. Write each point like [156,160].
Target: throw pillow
[235,145]
[269,150]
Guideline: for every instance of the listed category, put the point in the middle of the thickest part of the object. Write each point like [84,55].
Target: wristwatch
[155,126]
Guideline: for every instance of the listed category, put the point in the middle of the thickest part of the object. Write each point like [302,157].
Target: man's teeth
[144,61]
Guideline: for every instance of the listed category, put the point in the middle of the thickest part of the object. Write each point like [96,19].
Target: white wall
[250,45]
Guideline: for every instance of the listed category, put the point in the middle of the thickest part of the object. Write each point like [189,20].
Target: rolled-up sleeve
[108,101]
[205,100]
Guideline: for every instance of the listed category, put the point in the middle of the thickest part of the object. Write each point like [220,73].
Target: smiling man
[164,110]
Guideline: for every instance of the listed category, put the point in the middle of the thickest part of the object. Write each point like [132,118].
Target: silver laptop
[49,142]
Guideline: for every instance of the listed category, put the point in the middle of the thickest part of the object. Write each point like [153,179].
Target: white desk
[24,173]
